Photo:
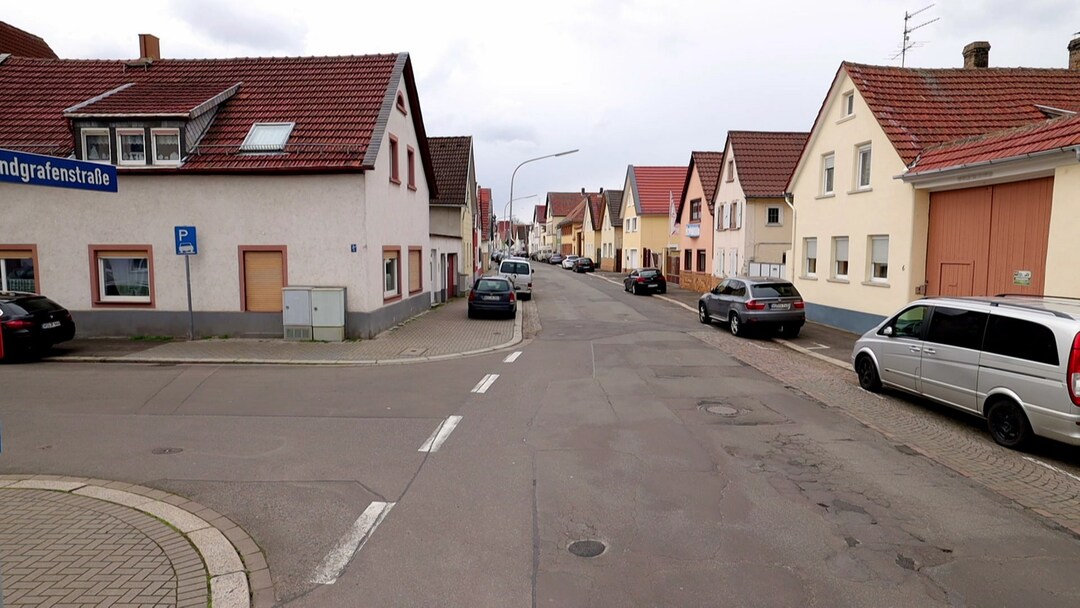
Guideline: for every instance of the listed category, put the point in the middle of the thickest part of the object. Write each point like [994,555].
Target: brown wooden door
[451,287]
[264,277]
[1019,233]
[955,279]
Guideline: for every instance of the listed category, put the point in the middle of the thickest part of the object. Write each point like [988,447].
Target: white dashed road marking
[437,438]
[512,357]
[353,541]
[485,383]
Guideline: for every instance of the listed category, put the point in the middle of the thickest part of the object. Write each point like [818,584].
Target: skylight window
[267,137]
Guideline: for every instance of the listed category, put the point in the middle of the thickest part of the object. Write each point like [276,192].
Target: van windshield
[515,268]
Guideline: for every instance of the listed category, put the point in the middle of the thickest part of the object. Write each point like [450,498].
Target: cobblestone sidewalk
[81,542]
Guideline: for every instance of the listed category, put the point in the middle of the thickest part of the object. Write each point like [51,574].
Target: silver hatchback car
[750,302]
[1013,360]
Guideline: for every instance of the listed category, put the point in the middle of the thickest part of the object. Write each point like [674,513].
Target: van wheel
[868,374]
[1008,424]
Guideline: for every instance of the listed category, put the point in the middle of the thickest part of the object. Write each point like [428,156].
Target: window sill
[774,225]
[808,277]
[389,299]
[412,187]
[107,304]
[860,191]
[876,284]
[413,293]
[835,280]
[846,118]
[821,196]
[395,181]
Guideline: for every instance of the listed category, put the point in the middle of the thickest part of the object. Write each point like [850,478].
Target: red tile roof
[765,160]
[23,44]
[336,103]
[450,158]
[539,214]
[708,166]
[920,108]
[1031,139]
[154,99]
[484,198]
[655,188]
[576,215]
[560,204]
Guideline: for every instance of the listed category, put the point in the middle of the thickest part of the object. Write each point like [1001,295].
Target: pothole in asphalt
[719,408]
[587,548]
[160,451]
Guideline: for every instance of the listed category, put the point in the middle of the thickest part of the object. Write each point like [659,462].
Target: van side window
[1021,339]
[909,323]
[955,327]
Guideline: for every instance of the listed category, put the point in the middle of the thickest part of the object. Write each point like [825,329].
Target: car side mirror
[888,332]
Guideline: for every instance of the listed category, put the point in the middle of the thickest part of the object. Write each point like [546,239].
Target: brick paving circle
[68,550]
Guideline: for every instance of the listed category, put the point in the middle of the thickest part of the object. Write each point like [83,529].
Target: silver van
[518,271]
[1013,360]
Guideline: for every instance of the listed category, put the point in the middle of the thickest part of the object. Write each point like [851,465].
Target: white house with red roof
[309,171]
[957,181]
[452,255]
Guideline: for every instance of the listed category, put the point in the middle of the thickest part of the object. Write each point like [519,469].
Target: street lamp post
[514,174]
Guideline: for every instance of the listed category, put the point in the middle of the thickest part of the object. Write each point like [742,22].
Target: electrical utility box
[296,312]
[328,314]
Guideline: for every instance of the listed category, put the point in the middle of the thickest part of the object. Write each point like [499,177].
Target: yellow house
[559,205]
[611,229]
[590,227]
[648,214]
[874,229]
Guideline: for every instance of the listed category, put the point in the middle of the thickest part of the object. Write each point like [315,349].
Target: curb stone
[231,583]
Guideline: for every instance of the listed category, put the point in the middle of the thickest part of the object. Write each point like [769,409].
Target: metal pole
[190,312]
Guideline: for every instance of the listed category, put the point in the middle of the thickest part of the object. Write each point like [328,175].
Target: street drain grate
[160,451]
[587,548]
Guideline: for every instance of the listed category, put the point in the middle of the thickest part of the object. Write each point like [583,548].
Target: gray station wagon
[1013,360]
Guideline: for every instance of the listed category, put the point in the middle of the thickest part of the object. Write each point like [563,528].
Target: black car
[584,265]
[646,280]
[31,324]
[492,295]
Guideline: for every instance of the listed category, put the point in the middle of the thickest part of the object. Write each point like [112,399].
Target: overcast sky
[640,82]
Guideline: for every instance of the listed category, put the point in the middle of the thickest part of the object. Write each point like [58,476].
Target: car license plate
[50,325]
[491,297]
[652,284]
[781,306]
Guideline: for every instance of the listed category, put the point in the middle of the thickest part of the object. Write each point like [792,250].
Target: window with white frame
[166,146]
[737,213]
[774,215]
[123,276]
[731,170]
[840,257]
[391,272]
[848,106]
[267,137]
[879,259]
[725,216]
[810,255]
[828,170]
[695,210]
[132,146]
[17,270]
[96,146]
[633,224]
[863,174]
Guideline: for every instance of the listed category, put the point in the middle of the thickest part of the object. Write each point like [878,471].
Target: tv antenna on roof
[908,44]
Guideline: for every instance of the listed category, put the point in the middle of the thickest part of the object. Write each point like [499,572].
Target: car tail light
[17,324]
[1072,376]
[472,295]
[641,279]
[798,304]
[755,305]
[513,297]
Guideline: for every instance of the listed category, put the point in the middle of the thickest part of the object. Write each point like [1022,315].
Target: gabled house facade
[753,227]
[559,205]
[570,237]
[282,190]
[451,256]
[611,231]
[648,207]
[591,227]
[484,228]
[887,208]
[696,221]
[538,237]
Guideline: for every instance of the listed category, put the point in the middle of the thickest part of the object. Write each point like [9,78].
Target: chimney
[149,47]
[601,189]
[583,190]
[1074,54]
[977,55]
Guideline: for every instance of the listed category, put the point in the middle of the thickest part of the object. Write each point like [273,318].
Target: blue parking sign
[186,243]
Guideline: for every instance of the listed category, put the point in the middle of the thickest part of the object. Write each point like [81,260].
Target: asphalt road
[708,481]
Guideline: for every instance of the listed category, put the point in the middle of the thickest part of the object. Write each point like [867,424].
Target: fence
[758,269]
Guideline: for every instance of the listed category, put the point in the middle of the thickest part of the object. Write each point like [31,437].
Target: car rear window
[32,305]
[775,290]
[492,285]
[649,273]
[1021,339]
[515,268]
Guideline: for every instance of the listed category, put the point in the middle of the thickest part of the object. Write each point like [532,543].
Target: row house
[557,206]
[484,229]
[919,182]
[570,236]
[538,237]
[591,227]
[648,214]
[296,171]
[611,227]
[695,214]
[452,218]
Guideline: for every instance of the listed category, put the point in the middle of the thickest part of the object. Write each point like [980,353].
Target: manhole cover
[722,410]
[167,450]
[587,548]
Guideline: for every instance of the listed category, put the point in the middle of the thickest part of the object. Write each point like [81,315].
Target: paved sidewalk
[445,332]
[85,542]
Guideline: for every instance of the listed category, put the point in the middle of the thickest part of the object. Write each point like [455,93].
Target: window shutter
[263,280]
[780,215]
[738,214]
[811,248]
[841,249]
[880,250]
[727,217]
[415,282]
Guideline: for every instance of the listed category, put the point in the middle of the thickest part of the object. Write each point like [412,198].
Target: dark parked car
[556,258]
[745,302]
[646,280]
[584,265]
[492,295]
[32,324]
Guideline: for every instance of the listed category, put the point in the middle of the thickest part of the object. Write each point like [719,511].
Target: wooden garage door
[264,277]
[980,237]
